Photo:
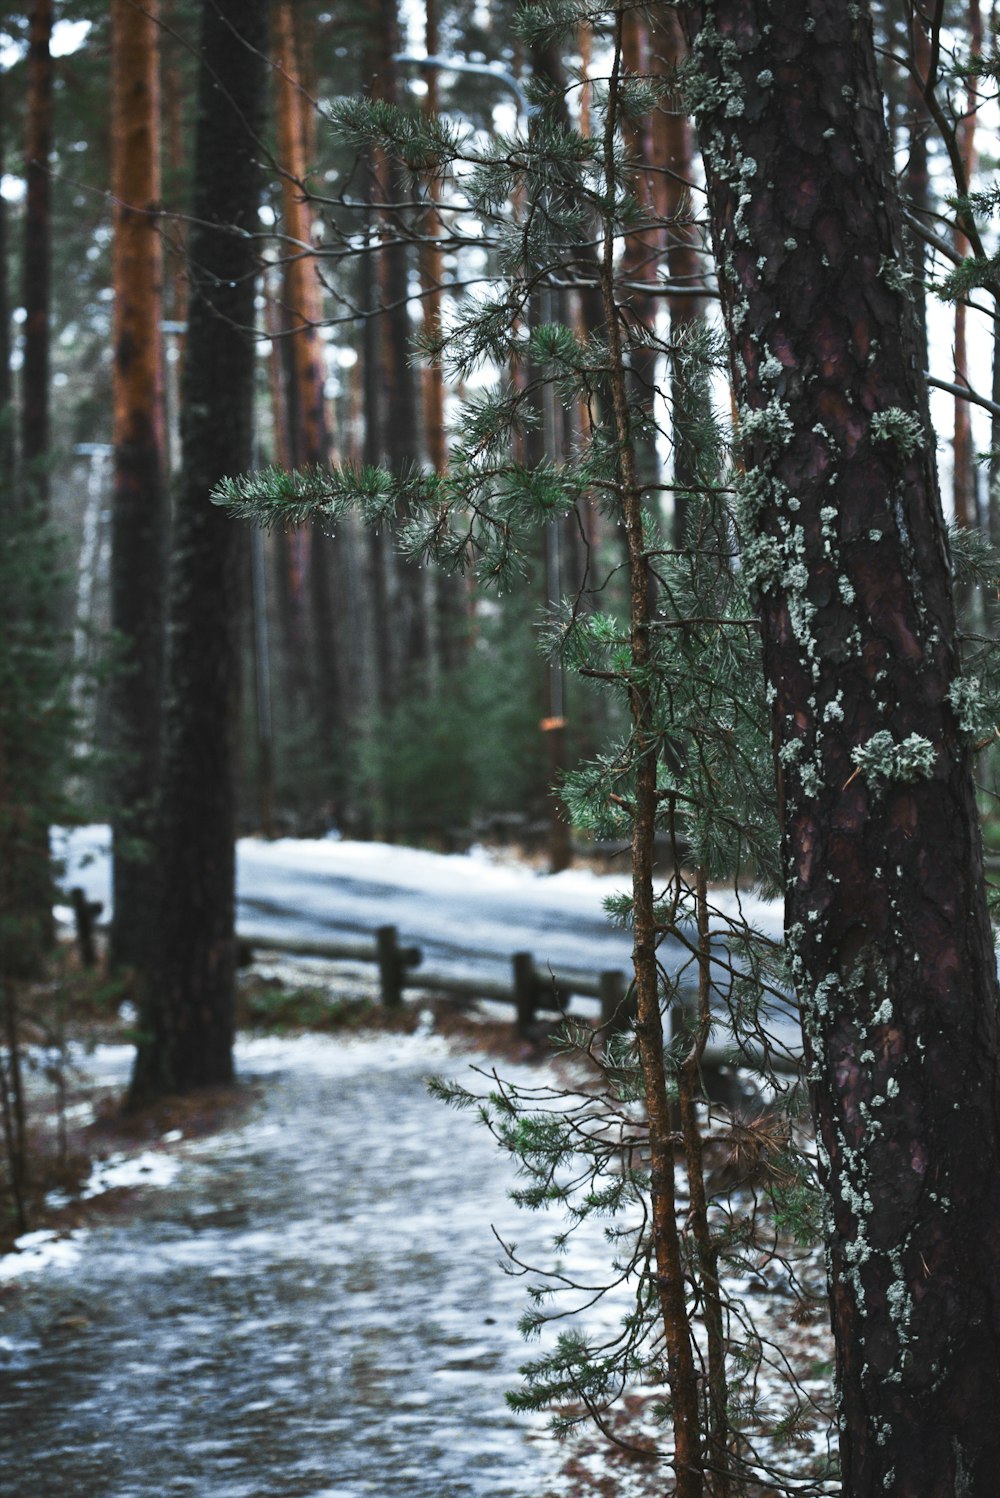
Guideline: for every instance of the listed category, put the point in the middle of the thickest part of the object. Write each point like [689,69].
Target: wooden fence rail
[531,991]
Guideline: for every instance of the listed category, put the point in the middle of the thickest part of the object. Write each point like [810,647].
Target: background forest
[449,302]
[372,700]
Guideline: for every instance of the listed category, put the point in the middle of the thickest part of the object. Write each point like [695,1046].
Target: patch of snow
[44,1249]
[336,1056]
[119,1172]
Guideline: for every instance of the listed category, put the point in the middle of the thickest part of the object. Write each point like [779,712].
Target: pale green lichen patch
[770,426]
[899,427]
[882,759]
[969,705]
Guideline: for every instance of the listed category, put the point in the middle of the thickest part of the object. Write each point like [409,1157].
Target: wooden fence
[532,992]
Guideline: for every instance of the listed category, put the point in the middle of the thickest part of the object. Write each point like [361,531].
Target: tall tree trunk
[407,638]
[176,193]
[641,255]
[138,520]
[673,157]
[916,183]
[431,269]
[37,256]
[308,424]
[664,1226]
[188,1024]
[7,442]
[964,478]
[886,915]
[448,590]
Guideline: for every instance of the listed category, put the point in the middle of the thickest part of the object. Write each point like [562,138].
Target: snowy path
[312,1307]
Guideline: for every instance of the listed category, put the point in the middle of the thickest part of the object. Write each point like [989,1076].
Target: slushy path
[311,1308]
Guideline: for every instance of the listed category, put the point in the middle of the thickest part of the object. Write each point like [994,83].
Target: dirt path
[311,1307]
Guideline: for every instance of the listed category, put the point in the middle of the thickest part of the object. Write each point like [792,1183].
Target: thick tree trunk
[139,506]
[885,909]
[37,275]
[188,1028]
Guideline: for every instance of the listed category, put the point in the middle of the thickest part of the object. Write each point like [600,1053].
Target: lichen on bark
[885,907]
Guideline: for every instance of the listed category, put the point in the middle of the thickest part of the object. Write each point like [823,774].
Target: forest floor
[166,1177]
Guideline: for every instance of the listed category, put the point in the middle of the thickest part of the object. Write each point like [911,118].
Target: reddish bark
[885,907]
[139,508]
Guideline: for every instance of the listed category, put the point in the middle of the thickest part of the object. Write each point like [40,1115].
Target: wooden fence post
[393,961]
[525,990]
[683,1025]
[85,912]
[617,1002]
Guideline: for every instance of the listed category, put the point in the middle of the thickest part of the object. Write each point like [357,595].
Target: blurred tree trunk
[7,441]
[449,590]
[916,183]
[964,478]
[308,427]
[886,918]
[176,195]
[432,270]
[673,157]
[403,633]
[138,523]
[37,274]
[187,1026]
[641,259]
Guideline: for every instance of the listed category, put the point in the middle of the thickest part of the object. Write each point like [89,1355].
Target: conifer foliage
[671,633]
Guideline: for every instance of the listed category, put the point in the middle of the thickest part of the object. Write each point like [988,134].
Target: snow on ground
[340,1110]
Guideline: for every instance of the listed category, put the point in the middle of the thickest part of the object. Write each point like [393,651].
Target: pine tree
[139,503]
[677,648]
[187,1020]
[873,720]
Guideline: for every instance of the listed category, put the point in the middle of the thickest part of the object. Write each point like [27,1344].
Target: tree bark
[406,634]
[138,522]
[188,1026]
[665,1229]
[964,475]
[308,424]
[7,441]
[886,915]
[673,155]
[37,274]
